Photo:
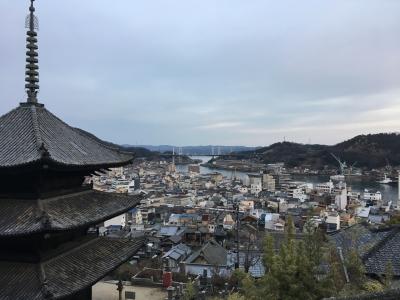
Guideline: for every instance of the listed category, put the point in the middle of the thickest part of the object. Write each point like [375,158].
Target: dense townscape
[206,224]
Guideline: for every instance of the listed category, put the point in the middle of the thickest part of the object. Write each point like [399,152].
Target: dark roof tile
[20,217]
[29,133]
[68,273]
[377,247]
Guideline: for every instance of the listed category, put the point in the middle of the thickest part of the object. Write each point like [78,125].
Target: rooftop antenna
[31,72]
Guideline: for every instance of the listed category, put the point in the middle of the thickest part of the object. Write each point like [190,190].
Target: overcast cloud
[211,72]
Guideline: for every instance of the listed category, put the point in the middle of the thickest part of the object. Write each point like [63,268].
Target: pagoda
[45,207]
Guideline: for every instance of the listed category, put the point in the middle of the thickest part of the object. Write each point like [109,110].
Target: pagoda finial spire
[32,74]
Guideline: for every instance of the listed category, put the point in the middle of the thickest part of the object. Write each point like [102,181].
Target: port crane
[342,164]
[352,166]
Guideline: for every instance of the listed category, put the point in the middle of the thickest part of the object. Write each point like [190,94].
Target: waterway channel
[357,183]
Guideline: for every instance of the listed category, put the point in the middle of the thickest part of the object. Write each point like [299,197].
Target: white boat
[385,180]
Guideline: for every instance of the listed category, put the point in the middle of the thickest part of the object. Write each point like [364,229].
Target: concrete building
[324,188]
[372,195]
[332,221]
[268,182]
[255,181]
[136,217]
[341,199]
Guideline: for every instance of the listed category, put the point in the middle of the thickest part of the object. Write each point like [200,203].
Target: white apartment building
[325,187]
[372,195]
[256,183]
[341,199]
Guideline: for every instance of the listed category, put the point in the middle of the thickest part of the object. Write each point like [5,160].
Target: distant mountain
[198,150]
[137,151]
[369,151]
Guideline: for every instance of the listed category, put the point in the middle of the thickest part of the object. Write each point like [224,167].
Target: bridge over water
[244,155]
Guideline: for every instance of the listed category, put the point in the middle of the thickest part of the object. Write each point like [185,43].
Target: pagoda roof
[22,217]
[67,273]
[31,134]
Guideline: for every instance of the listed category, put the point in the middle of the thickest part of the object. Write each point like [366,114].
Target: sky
[224,72]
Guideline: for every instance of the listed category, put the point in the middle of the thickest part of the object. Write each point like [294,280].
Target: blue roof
[257,269]
[169,231]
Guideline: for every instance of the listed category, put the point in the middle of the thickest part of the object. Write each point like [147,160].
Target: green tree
[313,241]
[395,219]
[237,278]
[291,273]
[189,292]
[355,269]
[336,272]
[388,275]
[269,250]
[236,296]
[249,288]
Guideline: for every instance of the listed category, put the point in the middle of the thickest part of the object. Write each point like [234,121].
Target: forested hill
[137,151]
[370,151]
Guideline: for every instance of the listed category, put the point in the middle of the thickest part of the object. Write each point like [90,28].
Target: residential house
[273,222]
[228,222]
[211,257]
[246,205]
[176,255]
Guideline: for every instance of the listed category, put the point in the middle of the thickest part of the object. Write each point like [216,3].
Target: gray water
[205,170]
[358,184]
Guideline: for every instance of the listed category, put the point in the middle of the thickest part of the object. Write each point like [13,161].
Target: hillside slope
[369,151]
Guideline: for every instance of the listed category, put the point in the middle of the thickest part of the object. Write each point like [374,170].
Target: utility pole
[237,264]
[120,287]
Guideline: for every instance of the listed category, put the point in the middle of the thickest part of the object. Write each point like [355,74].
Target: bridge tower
[180,153]
[173,156]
